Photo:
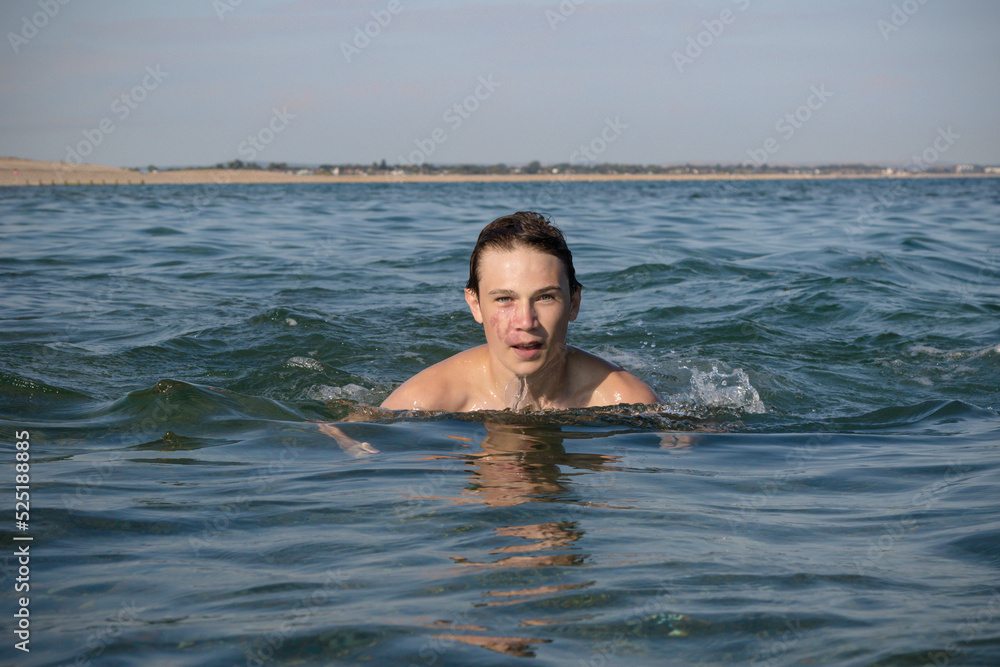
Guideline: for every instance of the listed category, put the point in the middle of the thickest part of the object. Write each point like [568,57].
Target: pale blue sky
[621,78]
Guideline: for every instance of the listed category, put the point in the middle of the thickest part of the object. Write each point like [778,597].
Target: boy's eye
[503,299]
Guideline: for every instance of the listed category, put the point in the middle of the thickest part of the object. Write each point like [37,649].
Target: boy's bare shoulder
[445,386]
[608,383]
[622,387]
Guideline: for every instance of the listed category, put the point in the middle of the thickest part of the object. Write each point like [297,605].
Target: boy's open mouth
[527,350]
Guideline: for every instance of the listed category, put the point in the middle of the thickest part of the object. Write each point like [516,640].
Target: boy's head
[524,228]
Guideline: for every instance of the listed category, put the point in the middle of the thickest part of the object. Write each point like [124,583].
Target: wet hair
[527,229]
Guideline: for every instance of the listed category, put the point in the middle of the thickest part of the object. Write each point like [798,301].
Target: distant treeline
[537,167]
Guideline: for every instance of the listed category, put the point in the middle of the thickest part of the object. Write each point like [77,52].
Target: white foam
[953,355]
[305,362]
[350,391]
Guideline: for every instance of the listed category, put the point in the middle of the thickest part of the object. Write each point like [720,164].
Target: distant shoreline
[20,172]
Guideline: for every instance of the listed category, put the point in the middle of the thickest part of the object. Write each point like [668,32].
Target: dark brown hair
[524,228]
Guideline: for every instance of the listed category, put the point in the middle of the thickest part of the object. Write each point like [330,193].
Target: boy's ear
[574,303]
[473,301]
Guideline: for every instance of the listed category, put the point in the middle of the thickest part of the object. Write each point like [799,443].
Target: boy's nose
[524,318]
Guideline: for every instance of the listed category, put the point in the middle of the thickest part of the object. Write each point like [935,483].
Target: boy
[522,288]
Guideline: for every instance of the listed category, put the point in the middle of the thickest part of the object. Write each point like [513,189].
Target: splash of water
[716,389]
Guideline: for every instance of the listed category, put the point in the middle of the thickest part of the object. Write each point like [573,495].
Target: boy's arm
[420,392]
[352,446]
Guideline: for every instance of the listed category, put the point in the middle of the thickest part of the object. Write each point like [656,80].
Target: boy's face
[525,307]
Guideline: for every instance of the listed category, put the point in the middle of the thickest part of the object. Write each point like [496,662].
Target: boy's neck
[547,388]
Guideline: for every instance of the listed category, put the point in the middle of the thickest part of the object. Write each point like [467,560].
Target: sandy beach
[19,171]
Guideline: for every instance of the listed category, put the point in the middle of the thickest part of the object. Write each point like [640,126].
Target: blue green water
[820,485]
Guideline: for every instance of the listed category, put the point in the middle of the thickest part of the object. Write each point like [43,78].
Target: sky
[198,82]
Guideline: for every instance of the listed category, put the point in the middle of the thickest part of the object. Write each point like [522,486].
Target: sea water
[819,486]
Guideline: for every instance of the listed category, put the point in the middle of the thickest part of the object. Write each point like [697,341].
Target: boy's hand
[355,448]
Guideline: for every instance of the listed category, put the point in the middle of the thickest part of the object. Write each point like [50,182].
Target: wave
[941,417]
[715,400]
[27,397]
